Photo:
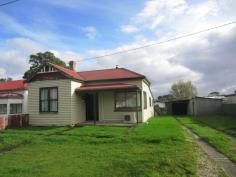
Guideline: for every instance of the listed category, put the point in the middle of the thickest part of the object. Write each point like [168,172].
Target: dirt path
[228,166]
[13,147]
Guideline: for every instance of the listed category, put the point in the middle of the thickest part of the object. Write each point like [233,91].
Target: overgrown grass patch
[223,123]
[157,148]
[222,142]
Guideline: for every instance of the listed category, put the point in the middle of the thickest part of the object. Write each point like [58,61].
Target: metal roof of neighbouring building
[13,85]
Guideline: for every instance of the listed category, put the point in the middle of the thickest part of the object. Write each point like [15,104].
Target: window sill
[127,110]
[48,112]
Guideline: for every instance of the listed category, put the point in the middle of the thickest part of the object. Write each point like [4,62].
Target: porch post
[137,106]
[94,107]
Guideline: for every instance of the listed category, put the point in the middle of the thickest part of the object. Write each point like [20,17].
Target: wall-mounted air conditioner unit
[130,118]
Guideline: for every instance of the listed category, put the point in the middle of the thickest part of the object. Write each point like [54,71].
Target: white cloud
[153,7]
[67,56]
[15,55]
[156,22]
[90,32]
[129,29]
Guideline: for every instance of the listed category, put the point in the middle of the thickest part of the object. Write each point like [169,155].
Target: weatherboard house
[13,98]
[61,96]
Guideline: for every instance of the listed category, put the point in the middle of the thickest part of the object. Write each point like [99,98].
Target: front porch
[111,104]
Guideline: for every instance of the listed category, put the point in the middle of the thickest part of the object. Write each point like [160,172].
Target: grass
[157,148]
[223,123]
[13,137]
[221,141]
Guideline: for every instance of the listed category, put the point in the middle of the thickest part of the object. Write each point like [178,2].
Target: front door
[91,101]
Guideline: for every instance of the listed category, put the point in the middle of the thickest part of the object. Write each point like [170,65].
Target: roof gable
[56,68]
[13,85]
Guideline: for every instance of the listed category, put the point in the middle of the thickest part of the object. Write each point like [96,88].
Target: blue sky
[67,21]
[76,29]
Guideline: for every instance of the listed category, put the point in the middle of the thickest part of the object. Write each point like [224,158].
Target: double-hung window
[15,108]
[49,99]
[3,108]
[145,100]
[127,101]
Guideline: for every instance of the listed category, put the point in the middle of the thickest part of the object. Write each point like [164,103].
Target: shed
[195,106]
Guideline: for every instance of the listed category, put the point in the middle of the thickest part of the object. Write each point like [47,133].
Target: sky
[79,29]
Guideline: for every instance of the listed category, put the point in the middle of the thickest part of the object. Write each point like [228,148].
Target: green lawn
[157,148]
[223,123]
[221,141]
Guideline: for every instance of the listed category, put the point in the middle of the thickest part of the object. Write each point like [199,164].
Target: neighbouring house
[61,96]
[159,107]
[230,98]
[195,106]
[13,97]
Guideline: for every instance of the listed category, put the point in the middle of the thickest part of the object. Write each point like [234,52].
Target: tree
[5,79]
[37,60]
[183,90]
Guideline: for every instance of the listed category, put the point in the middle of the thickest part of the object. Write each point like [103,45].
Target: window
[49,99]
[145,100]
[127,101]
[150,102]
[15,108]
[3,108]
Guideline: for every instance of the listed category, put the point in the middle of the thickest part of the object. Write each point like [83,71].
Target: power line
[158,43]
[10,2]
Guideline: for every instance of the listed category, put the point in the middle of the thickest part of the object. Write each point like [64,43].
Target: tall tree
[183,90]
[36,60]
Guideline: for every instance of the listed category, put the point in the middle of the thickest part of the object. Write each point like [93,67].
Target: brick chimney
[72,65]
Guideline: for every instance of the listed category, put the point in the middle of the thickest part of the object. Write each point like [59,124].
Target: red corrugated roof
[11,95]
[110,74]
[105,87]
[96,75]
[67,71]
[13,85]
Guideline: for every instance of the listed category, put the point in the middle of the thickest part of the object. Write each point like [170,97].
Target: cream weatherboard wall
[106,108]
[149,111]
[64,115]
[106,104]
[78,109]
